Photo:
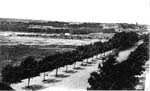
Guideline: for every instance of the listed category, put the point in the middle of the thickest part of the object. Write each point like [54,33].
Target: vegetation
[15,54]
[120,76]
[125,26]
[124,40]
[5,87]
[31,67]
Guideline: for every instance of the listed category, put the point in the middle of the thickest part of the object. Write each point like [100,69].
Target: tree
[5,87]
[46,65]
[120,76]
[29,68]
[124,39]
[11,74]
[103,80]
[67,59]
[58,62]
[77,57]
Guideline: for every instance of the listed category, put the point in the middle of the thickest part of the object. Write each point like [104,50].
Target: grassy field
[16,53]
[10,38]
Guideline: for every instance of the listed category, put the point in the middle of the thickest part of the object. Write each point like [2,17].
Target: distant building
[45,27]
[109,26]
[67,34]
[148,28]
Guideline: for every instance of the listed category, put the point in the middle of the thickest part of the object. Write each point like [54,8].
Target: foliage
[120,76]
[30,67]
[124,40]
[5,87]
[11,74]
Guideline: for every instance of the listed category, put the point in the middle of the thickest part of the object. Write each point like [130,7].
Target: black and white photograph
[74,45]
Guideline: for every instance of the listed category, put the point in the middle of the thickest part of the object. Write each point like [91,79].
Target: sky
[103,11]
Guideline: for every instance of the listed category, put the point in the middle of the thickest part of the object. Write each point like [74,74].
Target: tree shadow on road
[90,65]
[61,76]
[71,71]
[98,59]
[87,65]
[89,62]
[51,81]
[84,64]
[94,62]
[79,68]
[33,87]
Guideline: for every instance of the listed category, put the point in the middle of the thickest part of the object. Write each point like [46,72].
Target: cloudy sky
[130,11]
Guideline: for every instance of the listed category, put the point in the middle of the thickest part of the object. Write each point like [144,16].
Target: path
[147,82]
[144,78]
[77,79]
[123,55]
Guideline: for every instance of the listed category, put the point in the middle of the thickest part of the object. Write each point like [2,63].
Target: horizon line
[43,20]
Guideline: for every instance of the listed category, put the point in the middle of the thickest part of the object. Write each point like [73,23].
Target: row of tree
[121,76]
[30,67]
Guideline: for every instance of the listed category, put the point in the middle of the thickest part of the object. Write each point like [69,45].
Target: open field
[6,39]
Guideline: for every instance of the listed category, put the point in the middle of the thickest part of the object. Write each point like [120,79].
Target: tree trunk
[74,65]
[44,77]
[87,60]
[111,87]
[66,68]
[56,72]
[82,62]
[28,82]
[100,55]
